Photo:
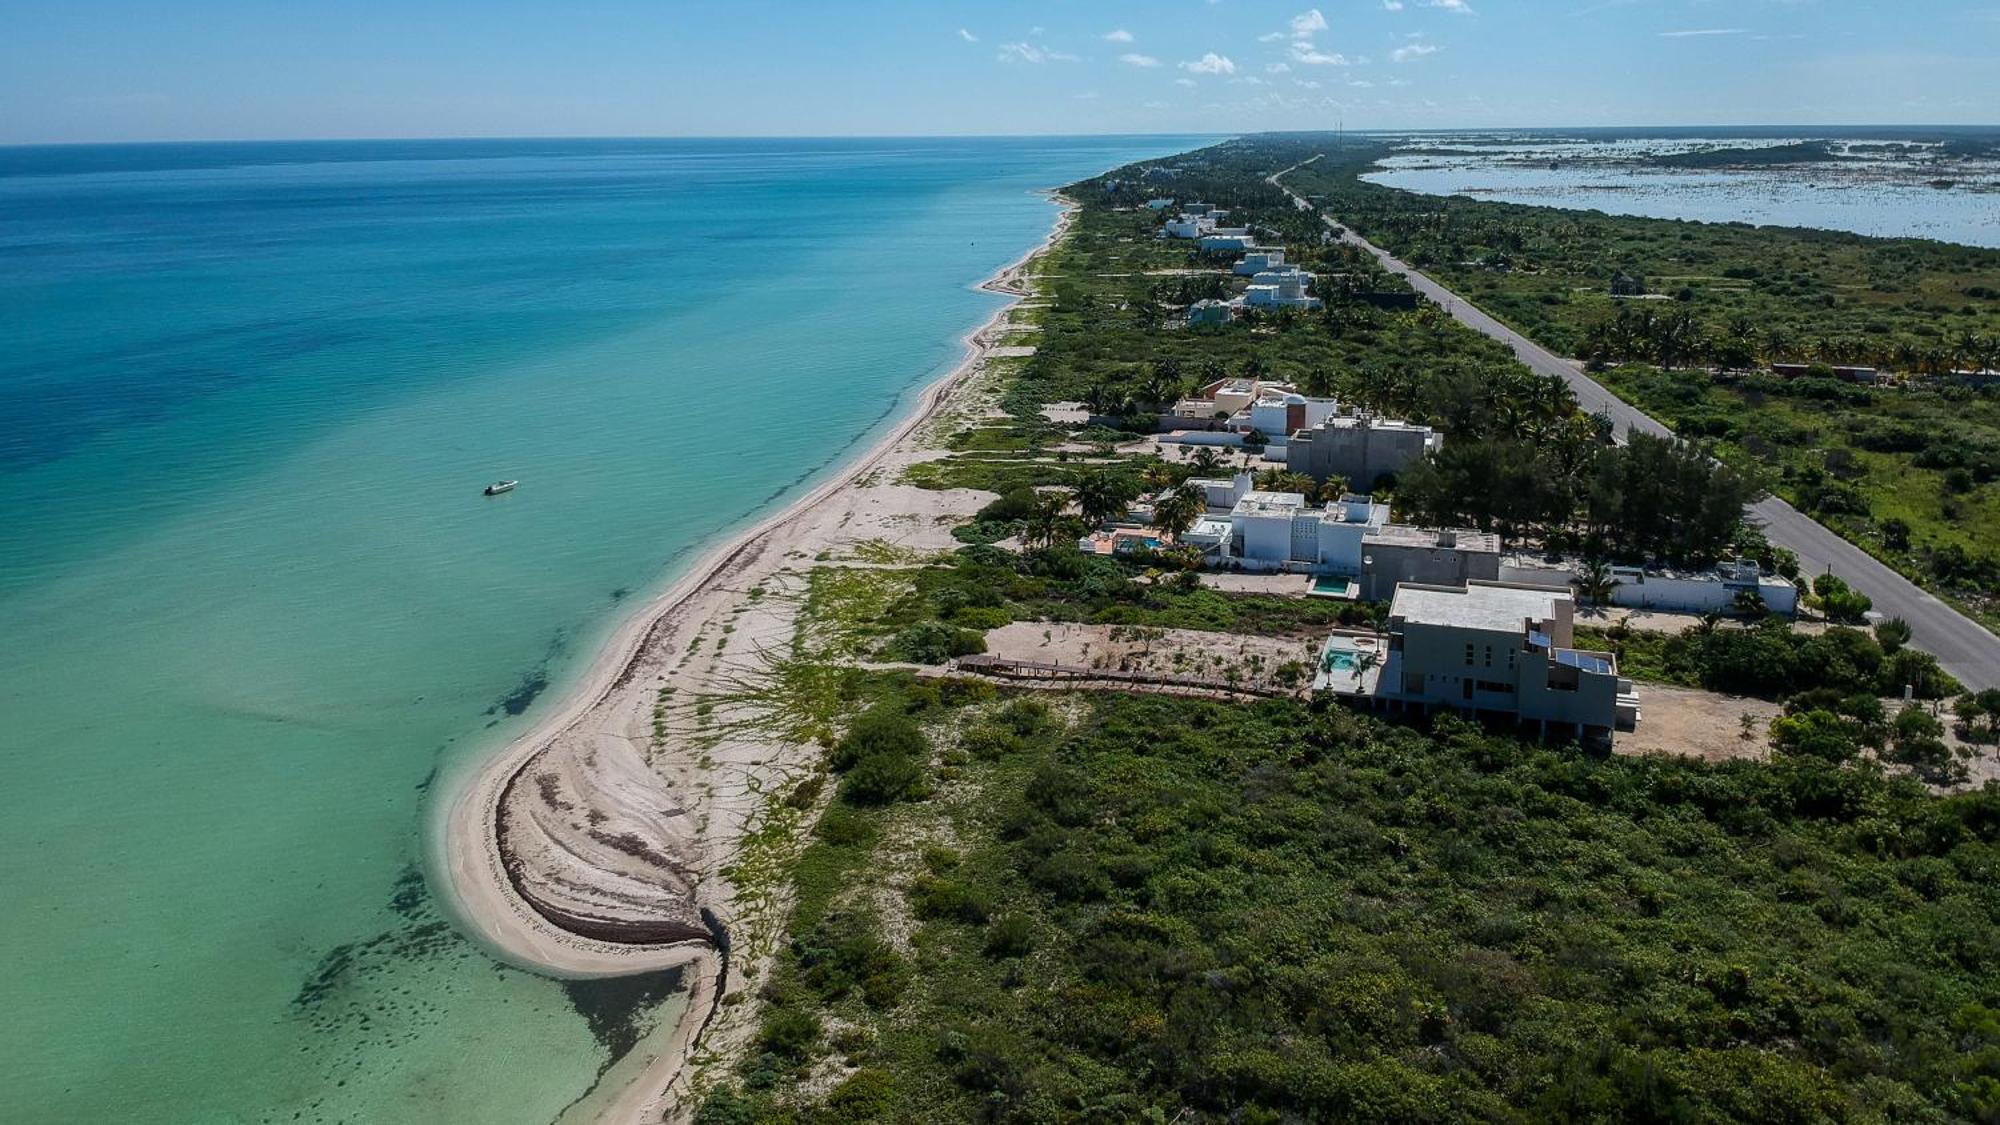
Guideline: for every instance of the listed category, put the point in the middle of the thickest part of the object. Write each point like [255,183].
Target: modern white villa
[1270,410]
[1227,238]
[1484,649]
[1247,528]
[1715,590]
[1210,312]
[1258,261]
[1282,287]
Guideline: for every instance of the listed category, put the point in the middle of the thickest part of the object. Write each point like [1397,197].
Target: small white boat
[500,486]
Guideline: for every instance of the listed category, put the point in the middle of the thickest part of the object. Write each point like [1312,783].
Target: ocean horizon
[257,603]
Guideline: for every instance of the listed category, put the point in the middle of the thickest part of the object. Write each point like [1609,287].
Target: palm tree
[1595,582]
[1206,461]
[1045,520]
[1101,496]
[1177,511]
[1285,480]
[1332,488]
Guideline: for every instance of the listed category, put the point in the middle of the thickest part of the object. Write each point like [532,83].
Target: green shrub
[789,1033]
[865,1095]
[1010,935]
[934,898]
[880,779]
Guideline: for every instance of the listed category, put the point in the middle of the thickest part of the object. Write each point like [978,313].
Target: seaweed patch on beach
[616,1008]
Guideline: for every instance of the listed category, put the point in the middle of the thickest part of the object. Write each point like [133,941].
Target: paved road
[1965,648]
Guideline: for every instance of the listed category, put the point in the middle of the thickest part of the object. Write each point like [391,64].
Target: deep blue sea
[251,599]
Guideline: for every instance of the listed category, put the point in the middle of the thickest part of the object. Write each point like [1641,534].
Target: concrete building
[1226,397]
[1258,261]
[1187,225]
[1277,414]
[1280,531]
[1280,288]
[1486,649]
[1360,447]
[1395,553]
[1714,590]
[1226,239]
[1209,312]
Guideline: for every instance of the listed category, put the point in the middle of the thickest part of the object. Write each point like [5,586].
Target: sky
[127,70]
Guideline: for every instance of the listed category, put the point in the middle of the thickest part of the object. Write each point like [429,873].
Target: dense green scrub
[1134,908]
[1908,473]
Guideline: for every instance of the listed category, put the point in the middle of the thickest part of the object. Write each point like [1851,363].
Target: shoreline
[471,873]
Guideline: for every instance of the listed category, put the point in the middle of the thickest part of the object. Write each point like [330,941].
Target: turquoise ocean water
[251,600]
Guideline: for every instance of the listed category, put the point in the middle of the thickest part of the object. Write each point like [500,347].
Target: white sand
[596,764]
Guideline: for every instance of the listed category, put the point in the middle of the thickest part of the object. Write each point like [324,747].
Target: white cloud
[1277,68]
[1029,53]
[1183,81]
[1086,96]
[967,36]
[1270,37]
[1304,52]
[1210,63]
[1703,31]
[1413,51]
[1459,6]
[1307,24]
[1361,83]
[1392,5]
[1138,60]
[1119,36]
[1305,83]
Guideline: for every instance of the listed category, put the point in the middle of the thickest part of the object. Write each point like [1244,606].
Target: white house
[1283,288]
[1714,590]
[1487,648]
[1230,238]
[1188,226]
[1210,312]
[1258,261]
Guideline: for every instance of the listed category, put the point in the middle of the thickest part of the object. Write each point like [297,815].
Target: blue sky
[150,70]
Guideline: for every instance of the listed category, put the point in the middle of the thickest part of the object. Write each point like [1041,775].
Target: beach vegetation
[1264,912]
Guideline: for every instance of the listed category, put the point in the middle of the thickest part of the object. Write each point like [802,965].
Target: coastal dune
[593,845]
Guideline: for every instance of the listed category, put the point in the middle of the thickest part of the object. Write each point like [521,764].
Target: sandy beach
[594,844]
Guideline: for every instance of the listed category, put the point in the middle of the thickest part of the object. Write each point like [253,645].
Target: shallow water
[252,598]
[1888,198]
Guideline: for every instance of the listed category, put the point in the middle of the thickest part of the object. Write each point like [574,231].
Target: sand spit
[594,844]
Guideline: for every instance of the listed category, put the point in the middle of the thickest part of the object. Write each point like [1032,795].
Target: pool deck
[1343,668]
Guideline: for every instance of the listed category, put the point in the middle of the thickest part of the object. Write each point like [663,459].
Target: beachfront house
[1236,409]
[1360,447]
[1721,588]
[1223,239]
[1209,313]
[1281,288]
[1188,226]
[1433,556]
[1485,649]
[1258,261]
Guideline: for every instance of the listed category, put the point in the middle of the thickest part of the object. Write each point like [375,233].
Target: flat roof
[1403,535]
[1501,609]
